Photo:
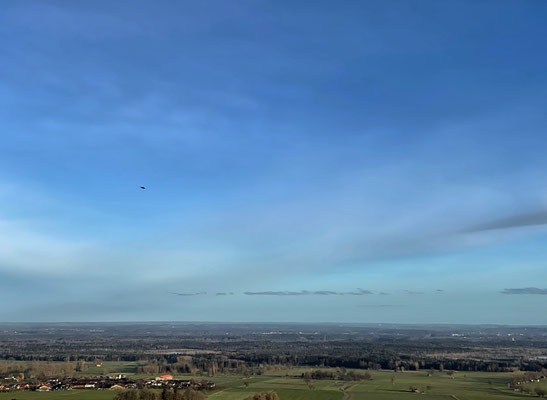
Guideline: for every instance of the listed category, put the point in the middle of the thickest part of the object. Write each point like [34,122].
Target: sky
[304,161]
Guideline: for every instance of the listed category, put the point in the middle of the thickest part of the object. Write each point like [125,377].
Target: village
[116,382]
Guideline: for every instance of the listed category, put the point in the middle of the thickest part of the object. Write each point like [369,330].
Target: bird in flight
[142,187]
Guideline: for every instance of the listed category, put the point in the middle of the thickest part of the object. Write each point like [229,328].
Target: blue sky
[367,161]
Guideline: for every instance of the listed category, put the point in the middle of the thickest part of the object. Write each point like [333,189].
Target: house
[117,387]
[43,388]
[164,377]
[22,386]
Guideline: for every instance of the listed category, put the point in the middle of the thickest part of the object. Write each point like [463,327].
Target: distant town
[116,382]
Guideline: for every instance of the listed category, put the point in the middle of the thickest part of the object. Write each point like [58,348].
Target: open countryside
[289,384]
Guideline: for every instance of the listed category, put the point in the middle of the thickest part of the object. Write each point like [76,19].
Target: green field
[288,385]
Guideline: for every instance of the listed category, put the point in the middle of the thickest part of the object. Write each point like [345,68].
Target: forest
[210,349]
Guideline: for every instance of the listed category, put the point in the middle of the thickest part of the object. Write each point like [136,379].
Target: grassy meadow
[288,385]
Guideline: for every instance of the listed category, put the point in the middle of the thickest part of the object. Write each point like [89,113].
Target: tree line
[148,394]
[188,394]
[340,374]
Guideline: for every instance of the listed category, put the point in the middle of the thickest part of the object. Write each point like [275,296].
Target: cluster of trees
[147,394]
[197,365]
[538,390]
[156,366]
[519,382]
[188,394]
[255,364]
[340,374]
[40,370]
[393,360]
[527,377]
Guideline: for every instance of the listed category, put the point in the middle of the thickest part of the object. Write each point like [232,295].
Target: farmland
[289,385]
[355,361]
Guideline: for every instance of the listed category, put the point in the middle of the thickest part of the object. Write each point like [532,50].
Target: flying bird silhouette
[142,187]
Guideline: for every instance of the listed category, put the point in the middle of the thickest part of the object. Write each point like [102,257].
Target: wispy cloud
[412,292]
[224,294]
[358,292]
[537,217]
[528,290]
[188,294]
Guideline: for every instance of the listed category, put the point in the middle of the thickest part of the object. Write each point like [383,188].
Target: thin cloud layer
[538,217]
[528,290]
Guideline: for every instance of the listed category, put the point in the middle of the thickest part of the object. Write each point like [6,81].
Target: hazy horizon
[274,323]
[364,162]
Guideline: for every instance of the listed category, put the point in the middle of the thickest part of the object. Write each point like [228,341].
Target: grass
[288,385]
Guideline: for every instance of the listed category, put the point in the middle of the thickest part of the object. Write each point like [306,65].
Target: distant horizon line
[433,324]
